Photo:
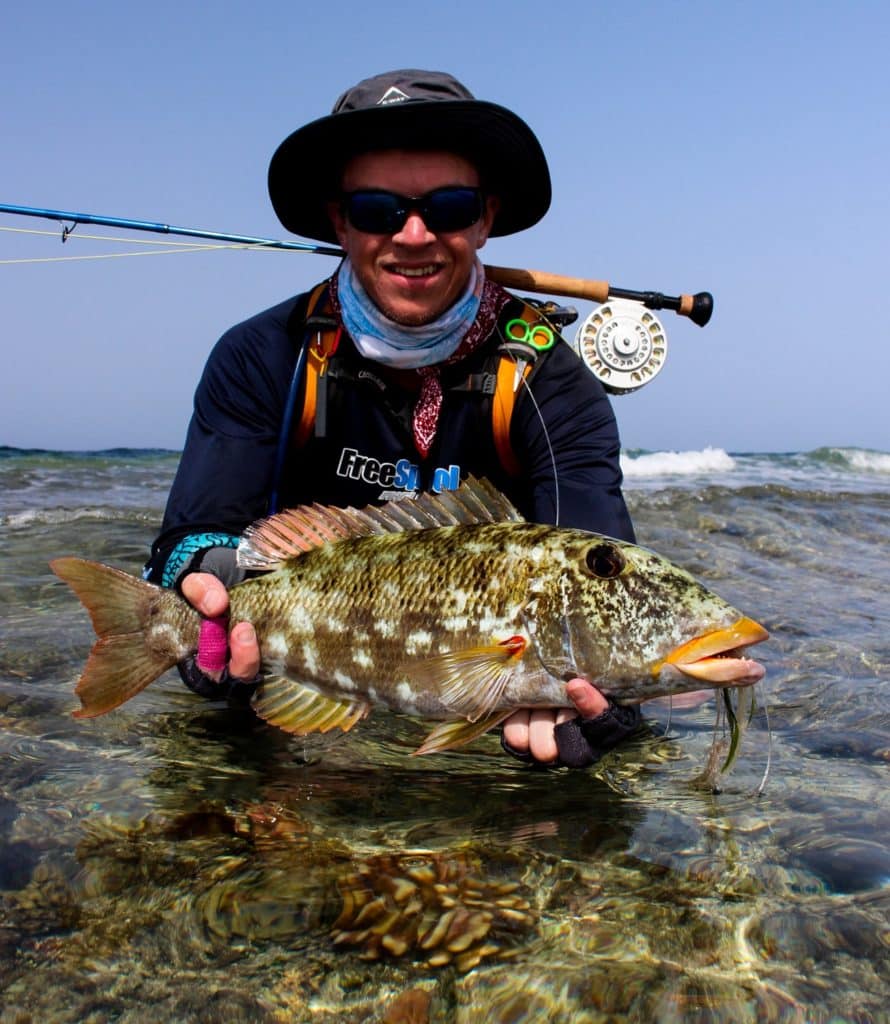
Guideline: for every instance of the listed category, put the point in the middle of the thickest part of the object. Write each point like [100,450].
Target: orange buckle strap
[320,351]
[514,367]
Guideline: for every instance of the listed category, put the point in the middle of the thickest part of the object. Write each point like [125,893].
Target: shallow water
[176,860]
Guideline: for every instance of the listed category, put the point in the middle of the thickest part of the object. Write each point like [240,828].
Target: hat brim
[305,169]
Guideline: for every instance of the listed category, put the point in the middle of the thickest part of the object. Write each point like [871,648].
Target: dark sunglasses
[384,213]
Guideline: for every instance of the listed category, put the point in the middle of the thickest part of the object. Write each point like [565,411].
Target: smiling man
[404,371]
[411,273]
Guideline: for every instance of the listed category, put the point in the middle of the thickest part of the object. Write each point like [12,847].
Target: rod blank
[698,307]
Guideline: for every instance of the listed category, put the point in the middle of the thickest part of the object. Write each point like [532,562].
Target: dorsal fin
[269,543]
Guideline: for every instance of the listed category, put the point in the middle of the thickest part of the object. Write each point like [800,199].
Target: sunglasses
[384,213]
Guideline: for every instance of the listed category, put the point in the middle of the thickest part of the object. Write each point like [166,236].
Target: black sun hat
[409,109]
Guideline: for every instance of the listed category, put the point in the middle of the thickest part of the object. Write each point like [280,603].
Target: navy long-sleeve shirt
[562,432]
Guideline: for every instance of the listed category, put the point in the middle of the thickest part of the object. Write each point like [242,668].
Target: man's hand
[559,737]
[206,594]
[532,731]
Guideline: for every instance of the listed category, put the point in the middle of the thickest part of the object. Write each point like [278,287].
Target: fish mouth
[718,657]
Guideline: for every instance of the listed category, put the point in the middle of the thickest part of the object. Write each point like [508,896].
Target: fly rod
[698,307]
[162,229]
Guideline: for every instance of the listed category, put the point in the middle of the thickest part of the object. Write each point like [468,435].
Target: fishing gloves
[221,563]
[235,691]
[583,741]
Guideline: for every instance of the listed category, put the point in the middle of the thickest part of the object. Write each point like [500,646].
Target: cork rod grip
[550,284]
[698,307]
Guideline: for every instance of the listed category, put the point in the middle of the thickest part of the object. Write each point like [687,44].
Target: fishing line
[111,255]
[115,238]
[667,727]
[170,248]
[549,447]
[769,743]
[712,772]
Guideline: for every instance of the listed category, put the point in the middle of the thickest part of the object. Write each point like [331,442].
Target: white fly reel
[623,344]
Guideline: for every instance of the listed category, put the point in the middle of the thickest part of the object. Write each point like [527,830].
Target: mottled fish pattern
[446,607]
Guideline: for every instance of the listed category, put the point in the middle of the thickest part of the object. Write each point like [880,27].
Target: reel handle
[698,307]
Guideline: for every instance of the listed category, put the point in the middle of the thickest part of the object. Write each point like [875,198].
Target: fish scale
[350,584]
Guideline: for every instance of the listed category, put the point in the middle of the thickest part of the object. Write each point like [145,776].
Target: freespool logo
[398,476]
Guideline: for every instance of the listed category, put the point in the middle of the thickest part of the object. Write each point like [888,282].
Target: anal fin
[299,709]
[450,735]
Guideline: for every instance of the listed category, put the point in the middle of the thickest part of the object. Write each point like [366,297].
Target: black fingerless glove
[583,741]
[236,691]
[219,562]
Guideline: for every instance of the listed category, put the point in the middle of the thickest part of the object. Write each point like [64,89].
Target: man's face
[414,275]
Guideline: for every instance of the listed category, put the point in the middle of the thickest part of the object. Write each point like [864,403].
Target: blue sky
[738,148]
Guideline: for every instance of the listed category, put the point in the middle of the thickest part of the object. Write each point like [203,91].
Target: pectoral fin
[299,709]
[450,735]
[471,682]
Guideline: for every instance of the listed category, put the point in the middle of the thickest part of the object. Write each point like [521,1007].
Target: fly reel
[623,344]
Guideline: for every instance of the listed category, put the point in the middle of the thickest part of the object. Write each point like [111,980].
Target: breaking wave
[32,517]
[692,463]
[862,460]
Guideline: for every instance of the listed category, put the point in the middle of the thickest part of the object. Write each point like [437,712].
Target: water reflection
[333,873]
[149,845]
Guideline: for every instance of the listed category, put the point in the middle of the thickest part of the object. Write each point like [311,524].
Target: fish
[448,607]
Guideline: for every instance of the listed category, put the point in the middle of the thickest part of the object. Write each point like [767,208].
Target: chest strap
[320,349]
[515,363]
[517,358]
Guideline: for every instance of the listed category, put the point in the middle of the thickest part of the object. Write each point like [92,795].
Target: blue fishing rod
[698,307]
[621,342]
[161,229]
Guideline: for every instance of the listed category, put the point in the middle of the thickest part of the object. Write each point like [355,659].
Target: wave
[829,469]
[140,477]
[54,517]
[862,460]
[102,454]
[691,463]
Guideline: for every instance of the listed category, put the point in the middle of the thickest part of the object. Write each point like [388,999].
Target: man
[389,366]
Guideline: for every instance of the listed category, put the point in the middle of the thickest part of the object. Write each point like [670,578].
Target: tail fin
[124,659]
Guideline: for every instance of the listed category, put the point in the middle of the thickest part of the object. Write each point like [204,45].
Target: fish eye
[605,561]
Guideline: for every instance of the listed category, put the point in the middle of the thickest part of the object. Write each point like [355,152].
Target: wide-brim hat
[409,109]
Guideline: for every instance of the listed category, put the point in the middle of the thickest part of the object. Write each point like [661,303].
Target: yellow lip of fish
[715,657]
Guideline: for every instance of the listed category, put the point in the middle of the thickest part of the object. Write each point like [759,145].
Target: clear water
[176,860]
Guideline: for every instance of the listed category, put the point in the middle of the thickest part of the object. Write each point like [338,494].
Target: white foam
[865,461]
[694,463]
[59,516]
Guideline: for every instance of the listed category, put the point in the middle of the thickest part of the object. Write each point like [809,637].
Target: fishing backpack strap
[327,333]
[525,338]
